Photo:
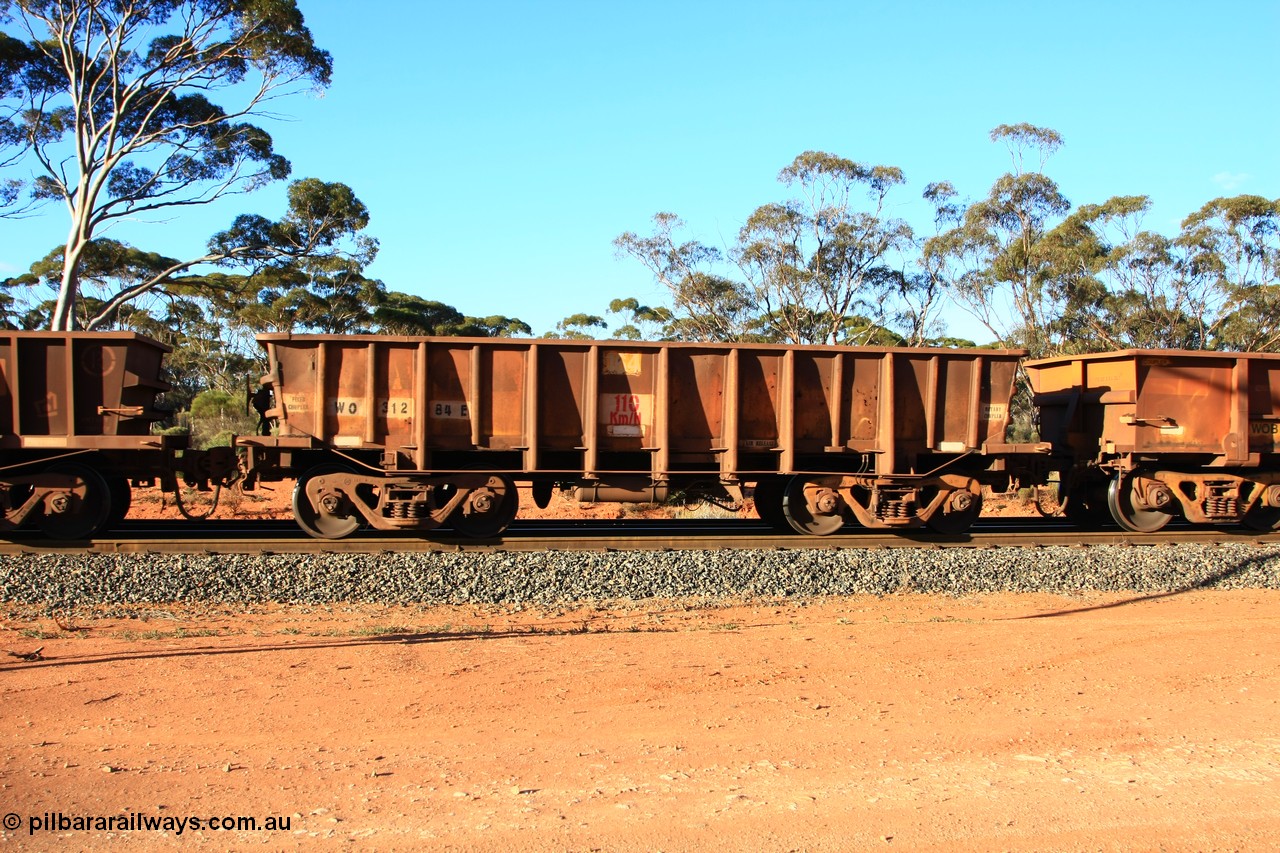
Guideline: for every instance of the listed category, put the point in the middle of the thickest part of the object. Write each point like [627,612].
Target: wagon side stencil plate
[626,415]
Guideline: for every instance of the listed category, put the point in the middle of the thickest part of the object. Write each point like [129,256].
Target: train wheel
[957,513]
[80,512]
[488,510]
[768,500]
[331,516]
[1120,502]
[812,507]
[1263,518]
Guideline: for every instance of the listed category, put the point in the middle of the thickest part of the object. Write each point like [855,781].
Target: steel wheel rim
[85,516]
[1119,501]
[1262,518]
[482,525]
[316,522]
[795,508]
[954,523]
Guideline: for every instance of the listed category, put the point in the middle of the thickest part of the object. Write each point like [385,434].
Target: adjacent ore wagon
[1150,434]
[76,411]
[412,433]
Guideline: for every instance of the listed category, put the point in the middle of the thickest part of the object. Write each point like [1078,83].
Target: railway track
[595,535]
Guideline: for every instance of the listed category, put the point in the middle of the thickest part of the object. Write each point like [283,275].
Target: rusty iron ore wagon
[1148,435]
[76,410]
[413,433]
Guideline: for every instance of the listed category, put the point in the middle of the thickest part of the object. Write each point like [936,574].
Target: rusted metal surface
[76,411]
[78,390]
[609,406]
[1162,402]
[1175,432]
[641,418]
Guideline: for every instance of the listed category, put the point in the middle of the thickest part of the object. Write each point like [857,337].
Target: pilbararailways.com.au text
[139,822]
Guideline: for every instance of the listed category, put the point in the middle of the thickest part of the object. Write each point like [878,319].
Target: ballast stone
[549,578]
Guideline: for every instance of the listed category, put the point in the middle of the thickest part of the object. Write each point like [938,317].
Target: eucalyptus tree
[799,269]
[996,262]
[399,313]
[1215,285]
[111,102]
[14,56]
[1122,286]
[639,322]
[816,260]
[577,327]
[314,254]
[1232,245]
[923,282]
[707,305]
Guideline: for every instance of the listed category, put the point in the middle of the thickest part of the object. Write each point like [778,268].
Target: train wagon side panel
[1158,433]
[641,407]
[79,389]
[76,416]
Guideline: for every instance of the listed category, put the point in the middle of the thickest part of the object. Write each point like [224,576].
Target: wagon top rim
[620,344]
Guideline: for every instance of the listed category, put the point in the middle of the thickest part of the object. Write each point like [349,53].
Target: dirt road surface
[1010,722]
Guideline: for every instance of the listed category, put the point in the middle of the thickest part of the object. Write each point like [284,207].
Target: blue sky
[501,146]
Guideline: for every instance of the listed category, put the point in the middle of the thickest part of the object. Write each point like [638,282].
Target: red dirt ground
[1008,722]
[1000,722]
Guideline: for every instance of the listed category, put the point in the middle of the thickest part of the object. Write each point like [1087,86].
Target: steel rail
[256,537]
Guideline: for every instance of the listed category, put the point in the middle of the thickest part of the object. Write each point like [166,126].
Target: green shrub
[216,416]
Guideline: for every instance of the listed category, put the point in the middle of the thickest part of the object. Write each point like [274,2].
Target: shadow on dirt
[1207,582]
[323,643]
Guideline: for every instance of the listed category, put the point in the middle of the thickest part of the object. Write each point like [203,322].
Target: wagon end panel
[1079,400]
[294,370]
[141,381]
[996,383]
[1184,405]
[66,389]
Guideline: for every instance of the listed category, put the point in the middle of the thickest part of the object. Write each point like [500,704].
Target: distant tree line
[109,106]
[831,265]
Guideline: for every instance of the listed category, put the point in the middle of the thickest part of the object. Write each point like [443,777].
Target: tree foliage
[707,306]
[814,261]
[405,314]
[828,265]
[996,261]
[110,99]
